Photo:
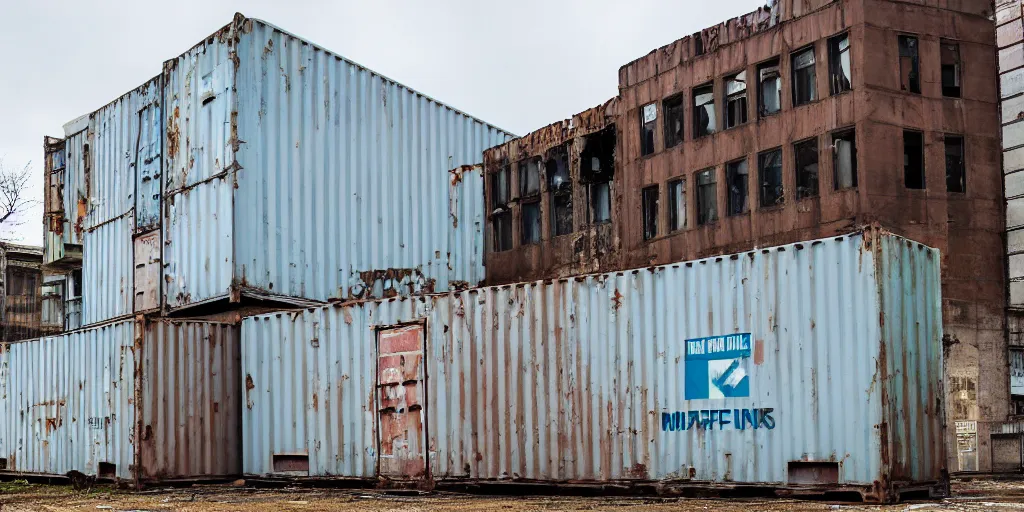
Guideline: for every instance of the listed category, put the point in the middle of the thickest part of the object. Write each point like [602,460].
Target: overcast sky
[518,65]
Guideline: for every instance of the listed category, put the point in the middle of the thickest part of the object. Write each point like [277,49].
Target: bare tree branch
[13,194]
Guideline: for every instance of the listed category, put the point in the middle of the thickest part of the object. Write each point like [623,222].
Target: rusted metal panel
[198,244]
[147,271]
[467,214]
[149,166]
[74,402]
[586,379]
[67,202]
[189,422]
[400,398]
[107,273]
[70,402]
[115,133]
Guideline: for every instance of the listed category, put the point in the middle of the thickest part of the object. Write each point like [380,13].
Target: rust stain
[758,352]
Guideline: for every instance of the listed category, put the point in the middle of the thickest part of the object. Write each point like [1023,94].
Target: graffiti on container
[98,422]
[716,367]
[707,419]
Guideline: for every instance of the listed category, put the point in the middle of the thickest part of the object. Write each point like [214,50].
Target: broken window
[650,211]
[806,154]
[560,188]
[769,166]
[913,159]
[597,166]
[736,178]
[673,109]
[844,159]
[698,44]
[769,92]
[839,76]
[648,119]
[956,176]
[707,197]
[910,74]
[803,77]
[501,214]
[676,204]
[529,197]
[950,68]
[736,100]
[703,110]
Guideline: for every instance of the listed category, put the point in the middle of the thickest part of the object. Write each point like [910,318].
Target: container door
[400,401]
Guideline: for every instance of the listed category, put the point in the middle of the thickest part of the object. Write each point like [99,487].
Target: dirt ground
[999,495]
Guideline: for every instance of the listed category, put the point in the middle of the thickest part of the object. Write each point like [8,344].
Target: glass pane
[737,178]
[736,84]
[677,204]
[803,59]
[771,178]
[600,202]
[529,178]
[650,212]
[530,227]
[845,161]
[707,200]
[650,113]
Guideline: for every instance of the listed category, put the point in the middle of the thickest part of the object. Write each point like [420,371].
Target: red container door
[400,402]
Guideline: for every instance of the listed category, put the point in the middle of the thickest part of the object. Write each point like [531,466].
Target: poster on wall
[717,367]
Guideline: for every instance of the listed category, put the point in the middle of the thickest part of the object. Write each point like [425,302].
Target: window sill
[841,93]
[741,125]
[740,214]
[772,208]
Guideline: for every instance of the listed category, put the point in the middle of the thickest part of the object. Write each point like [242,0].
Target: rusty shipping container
[812,365]
[132,400]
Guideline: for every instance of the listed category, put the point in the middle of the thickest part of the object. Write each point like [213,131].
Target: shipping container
[131,400]
[307,175]
[815,365]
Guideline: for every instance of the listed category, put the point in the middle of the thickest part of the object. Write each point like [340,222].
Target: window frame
[914,75]
[735,97]
[562,192]
[835,64]
[501,218]
[676,101]
[776,63]
[794,71]
[674,226]
[798,171]
[780,198]
[946,137]
[958,68]
[649,219]
[834,136]
[648,130]
[700,196]
[697,109]
[923,166]
[745,208]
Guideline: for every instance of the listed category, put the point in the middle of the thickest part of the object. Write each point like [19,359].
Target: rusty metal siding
[72,186]
[345,189]
[108,271]
[467,215]
[189,403]
[198,244]
[115,130]
[569,380]
[71,402]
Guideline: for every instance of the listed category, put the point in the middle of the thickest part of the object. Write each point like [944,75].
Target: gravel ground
[19,495]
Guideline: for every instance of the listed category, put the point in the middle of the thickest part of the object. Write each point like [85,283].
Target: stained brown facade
[904,135]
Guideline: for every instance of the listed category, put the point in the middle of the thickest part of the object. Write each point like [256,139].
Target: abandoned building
[799,121]
[22,293]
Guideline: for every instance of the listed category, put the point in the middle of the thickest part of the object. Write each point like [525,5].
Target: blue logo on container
[716,367]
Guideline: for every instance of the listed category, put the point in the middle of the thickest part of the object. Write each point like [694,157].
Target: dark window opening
[913,159]
[769,166]
[501,213]
[804,90]
[844,159]
[529,197]
[806,154]
[597,166]
[769,91]
[703,110]
[950,68]
[736,100]
[3,463]
[910,73]
[698,44]
[673,109]
[676,205]
[840,77]
[529,178]
[648,120]
[707,197]
[529,228]
[76,284]
[106,470]
[287,463]
[812,473]
[956,175]
[649,200]
[560,188]
[737,179]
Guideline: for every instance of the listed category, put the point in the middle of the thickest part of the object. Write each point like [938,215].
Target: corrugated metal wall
[70,402]
[345,174]
[568,380]
[200,155]
[189,404]
[73,187]
[467,214]
[108,271]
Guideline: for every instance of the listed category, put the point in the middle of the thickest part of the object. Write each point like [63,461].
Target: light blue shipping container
[811,365]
